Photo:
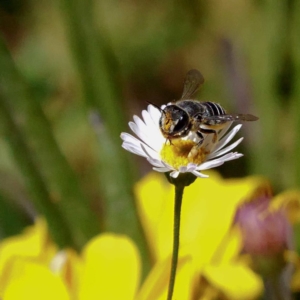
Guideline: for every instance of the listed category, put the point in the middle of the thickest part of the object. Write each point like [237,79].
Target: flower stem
[276,288]
[176,230]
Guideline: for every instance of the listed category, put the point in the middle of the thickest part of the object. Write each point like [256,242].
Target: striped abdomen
[213,109]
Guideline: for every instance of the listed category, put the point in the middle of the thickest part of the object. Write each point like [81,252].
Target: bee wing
[193,80]
[233,117]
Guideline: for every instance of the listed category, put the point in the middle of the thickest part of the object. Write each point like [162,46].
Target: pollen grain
[176,154]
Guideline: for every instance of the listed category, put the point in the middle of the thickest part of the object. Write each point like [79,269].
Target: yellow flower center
[179,153]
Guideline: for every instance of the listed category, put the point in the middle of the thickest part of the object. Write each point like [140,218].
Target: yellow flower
[111,269]
[32,246]
[207,253]
[31,268]
[209,265]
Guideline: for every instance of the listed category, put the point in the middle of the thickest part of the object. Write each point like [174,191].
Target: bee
[186,115]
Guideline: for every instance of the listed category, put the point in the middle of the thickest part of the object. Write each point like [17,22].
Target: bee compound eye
[182,122]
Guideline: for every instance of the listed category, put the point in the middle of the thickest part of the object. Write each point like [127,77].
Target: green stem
[40,195]
[176,234]
[65,194]
[276,288]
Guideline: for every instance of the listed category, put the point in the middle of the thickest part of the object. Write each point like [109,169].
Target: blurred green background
[72,74]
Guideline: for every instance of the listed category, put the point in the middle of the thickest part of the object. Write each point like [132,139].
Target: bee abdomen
[214,109]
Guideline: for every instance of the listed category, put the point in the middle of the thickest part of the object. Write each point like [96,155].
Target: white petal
[219,161]
[156,162]
[147,134]
[225,150]
[150,152]
[133,143]
[141,125]
[126,137]
[174,174]
[147,119]
[224,130]
[228,137]
[198,174]
[152,118]
[228,157]
[137,147]
[154,113]
[162,169]
[210,164]
[130,139]
[138,131]
[232,156]
[133,149]
[191,167]
[182,169]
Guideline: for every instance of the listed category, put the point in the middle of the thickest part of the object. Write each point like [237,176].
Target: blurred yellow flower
[31,268]
[207,253]
[209,265]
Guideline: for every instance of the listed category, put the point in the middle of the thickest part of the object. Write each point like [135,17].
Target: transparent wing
[193,80]
[233,117]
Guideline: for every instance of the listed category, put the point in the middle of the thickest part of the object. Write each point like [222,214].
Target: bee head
[174,122]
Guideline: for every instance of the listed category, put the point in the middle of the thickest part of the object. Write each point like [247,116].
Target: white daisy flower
[174,158]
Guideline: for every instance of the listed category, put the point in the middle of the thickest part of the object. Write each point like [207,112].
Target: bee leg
[168,140]
[195,149]
[209,131]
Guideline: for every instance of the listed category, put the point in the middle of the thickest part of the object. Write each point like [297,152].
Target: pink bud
[264,231]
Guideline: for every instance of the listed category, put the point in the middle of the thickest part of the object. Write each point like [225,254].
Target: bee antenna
[156,106]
